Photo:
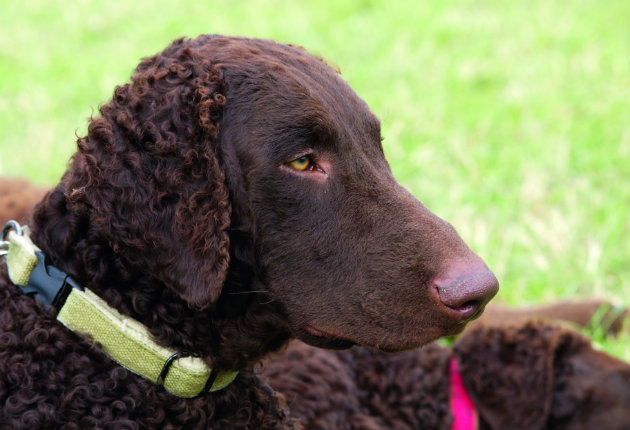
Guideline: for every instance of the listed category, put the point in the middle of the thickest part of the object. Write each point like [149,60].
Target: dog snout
[465,294]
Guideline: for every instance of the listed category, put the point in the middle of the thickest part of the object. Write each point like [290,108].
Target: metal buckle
[167,366]
[169,362]
[4,243]
[10,225]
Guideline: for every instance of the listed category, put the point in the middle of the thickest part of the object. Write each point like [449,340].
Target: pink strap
[464,414]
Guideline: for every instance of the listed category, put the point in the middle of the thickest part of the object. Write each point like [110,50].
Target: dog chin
[414,341]
[324,342]
[322,339]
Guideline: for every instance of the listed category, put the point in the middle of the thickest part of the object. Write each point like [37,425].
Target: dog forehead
[257,55]
[287,70]
[289,91]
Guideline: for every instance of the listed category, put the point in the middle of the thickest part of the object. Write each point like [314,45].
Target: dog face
[352,255]
[219,137]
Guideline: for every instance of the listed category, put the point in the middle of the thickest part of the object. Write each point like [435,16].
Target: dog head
[539,375]
[217,138]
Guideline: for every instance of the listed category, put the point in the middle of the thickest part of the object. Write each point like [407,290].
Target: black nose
[466,295]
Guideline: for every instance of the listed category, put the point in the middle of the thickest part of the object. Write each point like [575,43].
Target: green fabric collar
[122,338]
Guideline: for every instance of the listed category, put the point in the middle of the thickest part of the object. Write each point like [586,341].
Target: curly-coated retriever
[533,375]
[233,195]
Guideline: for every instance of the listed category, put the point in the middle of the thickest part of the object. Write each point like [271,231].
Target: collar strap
[122,338]
[463,410]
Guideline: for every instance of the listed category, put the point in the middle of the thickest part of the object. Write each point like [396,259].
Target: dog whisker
[379,344]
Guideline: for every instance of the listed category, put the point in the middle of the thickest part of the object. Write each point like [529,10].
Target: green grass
[511,119]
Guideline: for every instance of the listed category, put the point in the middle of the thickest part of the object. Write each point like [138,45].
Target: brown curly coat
[533,375]
[183,209]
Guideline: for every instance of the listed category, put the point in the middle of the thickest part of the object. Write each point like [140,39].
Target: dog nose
[466,294]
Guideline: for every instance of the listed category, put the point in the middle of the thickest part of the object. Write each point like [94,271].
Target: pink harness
[464,414]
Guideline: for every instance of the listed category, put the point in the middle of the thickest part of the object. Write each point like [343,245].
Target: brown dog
[596,314]
[233,195]
[532,375]
[18,197]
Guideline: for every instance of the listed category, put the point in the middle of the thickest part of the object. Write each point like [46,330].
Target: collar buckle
[48,284]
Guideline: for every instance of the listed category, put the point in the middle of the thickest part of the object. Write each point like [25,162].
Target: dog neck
[123,339]
[234,333]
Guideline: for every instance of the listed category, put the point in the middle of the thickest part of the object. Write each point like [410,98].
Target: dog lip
[320,333]
[464,314]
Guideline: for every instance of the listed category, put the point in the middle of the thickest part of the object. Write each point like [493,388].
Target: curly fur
[144,182]
[537,375]
[53,379]
[532,375]
[179,209]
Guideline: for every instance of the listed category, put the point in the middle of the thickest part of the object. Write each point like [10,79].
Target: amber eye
[301,163]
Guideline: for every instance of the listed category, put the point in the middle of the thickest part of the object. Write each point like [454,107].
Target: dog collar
[465,415]
[122,338]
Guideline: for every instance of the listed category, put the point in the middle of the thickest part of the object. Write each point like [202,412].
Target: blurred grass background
[510,119]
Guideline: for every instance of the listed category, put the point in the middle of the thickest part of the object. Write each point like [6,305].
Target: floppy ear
[508,373]
[148,174]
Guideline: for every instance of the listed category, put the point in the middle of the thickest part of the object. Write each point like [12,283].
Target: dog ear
[148,173]
[508,373]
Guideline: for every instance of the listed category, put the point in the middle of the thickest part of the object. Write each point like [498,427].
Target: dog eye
[302,163]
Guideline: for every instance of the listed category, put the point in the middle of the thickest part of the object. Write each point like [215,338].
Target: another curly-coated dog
[233,195]
[533,375]
[17,198]
[599,315]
